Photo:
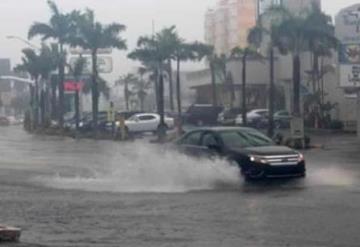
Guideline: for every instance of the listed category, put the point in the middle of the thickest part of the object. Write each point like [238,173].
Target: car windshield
[132,118]
[245,138]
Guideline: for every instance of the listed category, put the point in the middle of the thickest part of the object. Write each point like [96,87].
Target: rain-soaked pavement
[63,192]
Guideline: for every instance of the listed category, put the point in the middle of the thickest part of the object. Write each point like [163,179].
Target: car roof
[220,129]
[146,114]
[257,110]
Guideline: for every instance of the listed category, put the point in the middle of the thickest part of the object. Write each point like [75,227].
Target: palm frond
[41,29]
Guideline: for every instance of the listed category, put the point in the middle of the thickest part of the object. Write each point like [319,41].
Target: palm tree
[48,62]
[77,71]
[61,28]
[126,81]
[154,52]
[92,36]
[140,88]
[31,65]
[256,36]
[185,52]
[168,37]
[242,55]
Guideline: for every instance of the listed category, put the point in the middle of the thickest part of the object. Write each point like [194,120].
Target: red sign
[72,86]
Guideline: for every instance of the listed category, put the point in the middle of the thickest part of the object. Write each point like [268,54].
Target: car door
[147,123]
[211,146]
[190,143]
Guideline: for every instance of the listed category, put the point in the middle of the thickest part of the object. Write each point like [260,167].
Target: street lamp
[23,40]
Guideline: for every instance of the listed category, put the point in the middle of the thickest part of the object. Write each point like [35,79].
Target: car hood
[266,151]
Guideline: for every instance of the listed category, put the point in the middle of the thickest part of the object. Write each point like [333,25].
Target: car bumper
[298,170]
[284,171]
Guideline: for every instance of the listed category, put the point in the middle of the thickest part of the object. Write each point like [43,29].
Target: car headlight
[301,157]
[258,159]
[81,124]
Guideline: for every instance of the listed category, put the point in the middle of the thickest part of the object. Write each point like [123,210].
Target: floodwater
[65,192]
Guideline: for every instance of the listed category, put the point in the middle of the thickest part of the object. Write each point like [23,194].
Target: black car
[228,116]
[203,114]
[256,155]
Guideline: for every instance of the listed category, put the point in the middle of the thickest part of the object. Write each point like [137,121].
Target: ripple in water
[139,168]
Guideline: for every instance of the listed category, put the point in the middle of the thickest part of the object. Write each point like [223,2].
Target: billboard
[347,30]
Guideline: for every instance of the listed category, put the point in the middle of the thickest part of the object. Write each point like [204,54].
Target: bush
[336,125]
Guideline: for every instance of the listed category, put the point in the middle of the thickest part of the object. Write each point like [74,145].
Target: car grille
[282,160]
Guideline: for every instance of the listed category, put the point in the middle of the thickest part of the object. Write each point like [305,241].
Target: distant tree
[61,27]
[93,35]
[242,55]
[126,81]
[77,71]
[31,64]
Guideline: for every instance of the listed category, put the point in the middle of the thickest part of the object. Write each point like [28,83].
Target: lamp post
[24,41]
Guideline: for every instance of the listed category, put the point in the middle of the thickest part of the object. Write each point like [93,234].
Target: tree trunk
[271,95]
[54,85]
[142,100]
[126,95]
[77,109]
[32,111]
[161,130]
[296,86]
[171,86]
[178,94]
[156,89]
[36,117]
[315,71]
[42,108]
[243,89]
[213,84]
[61,110]
[95,92]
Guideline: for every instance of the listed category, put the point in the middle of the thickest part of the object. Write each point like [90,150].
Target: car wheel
[254,173]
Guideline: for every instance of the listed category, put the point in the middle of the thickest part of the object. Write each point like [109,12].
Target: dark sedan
[256,155]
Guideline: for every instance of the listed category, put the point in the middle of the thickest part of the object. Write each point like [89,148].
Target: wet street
[64,192]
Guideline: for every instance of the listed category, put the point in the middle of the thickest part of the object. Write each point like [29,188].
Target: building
[14,96]
[227,25]
[295,6]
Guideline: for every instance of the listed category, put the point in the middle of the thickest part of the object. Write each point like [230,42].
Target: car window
[146,117]
[192,138]
[133,118]
[245,139]
[209,140]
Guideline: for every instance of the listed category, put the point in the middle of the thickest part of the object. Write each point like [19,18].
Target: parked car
[281,120]
[228,117]
[256,155]
[146,122]
[254,117]
[126,114]
[4,121]
[86,123]
[203,114]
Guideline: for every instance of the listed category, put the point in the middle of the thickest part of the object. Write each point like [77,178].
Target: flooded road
[64,192]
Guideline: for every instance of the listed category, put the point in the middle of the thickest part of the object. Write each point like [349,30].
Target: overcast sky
[17,15]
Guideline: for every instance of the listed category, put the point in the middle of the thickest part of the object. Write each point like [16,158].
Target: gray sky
[17,15]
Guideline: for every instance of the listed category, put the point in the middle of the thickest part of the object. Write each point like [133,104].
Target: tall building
[227,25]
[295,6]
